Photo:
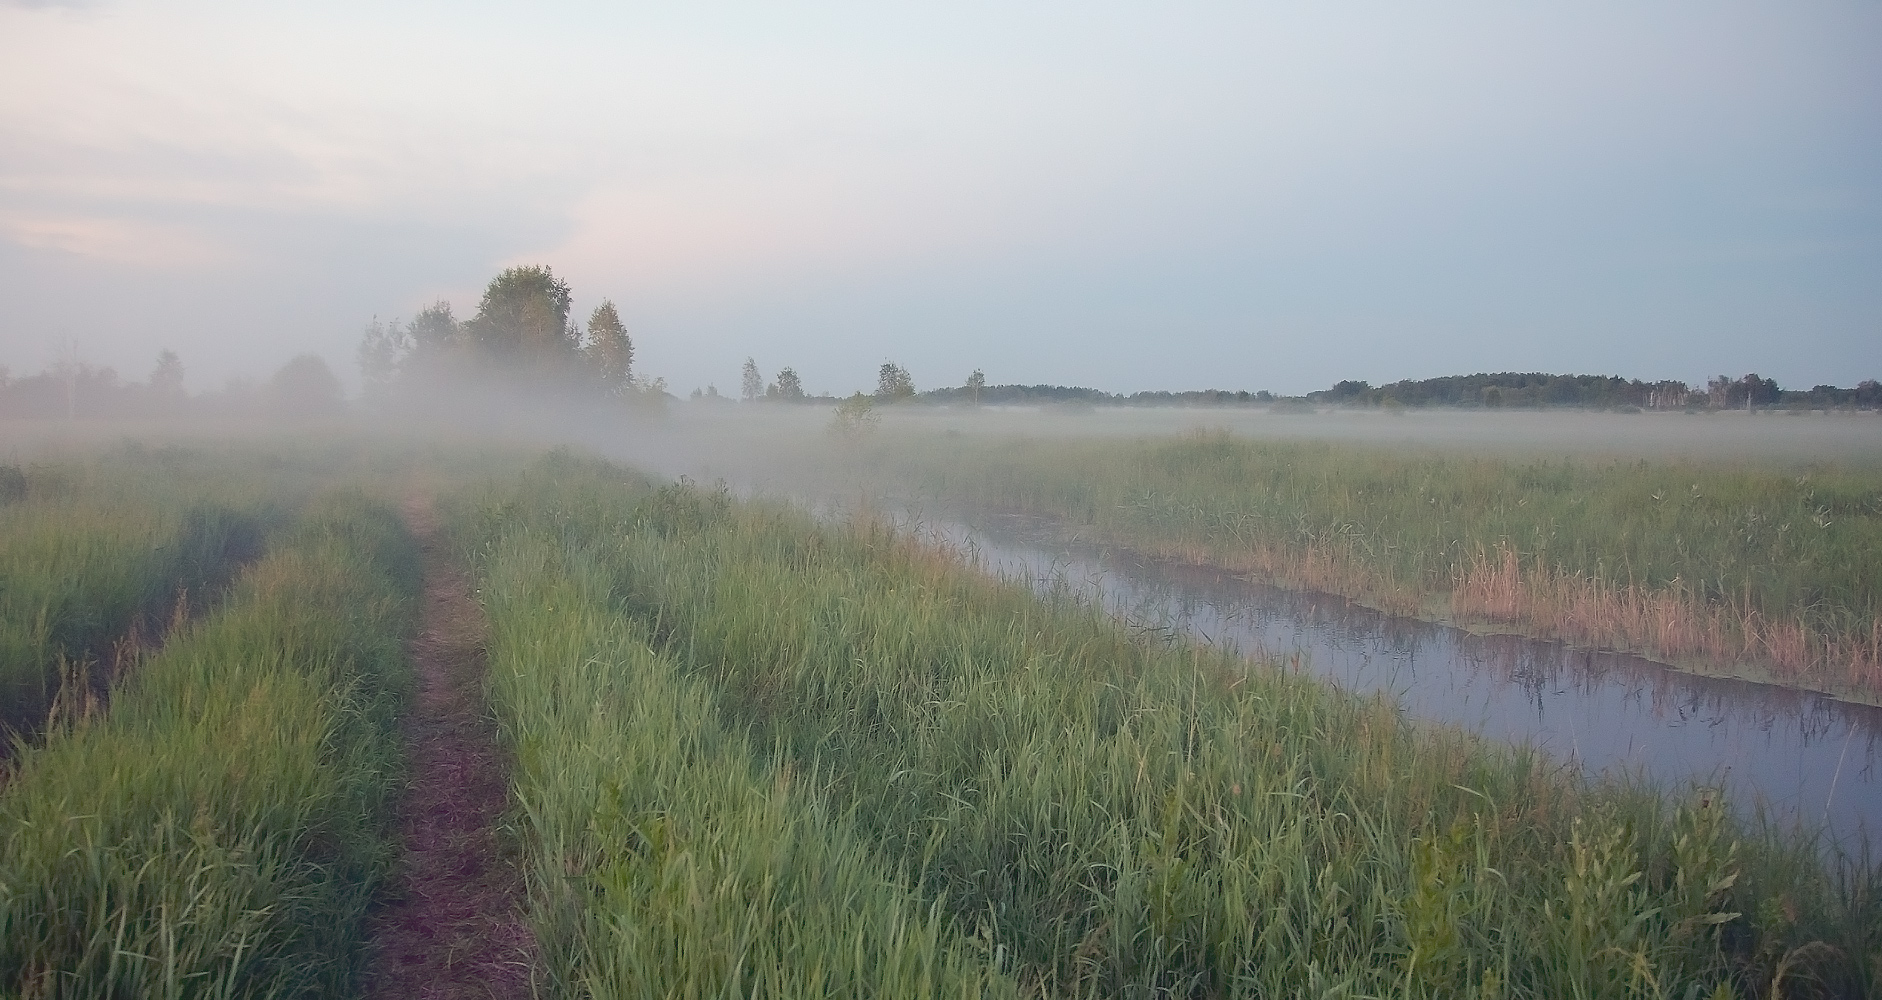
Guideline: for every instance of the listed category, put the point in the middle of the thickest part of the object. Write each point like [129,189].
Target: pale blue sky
[1122,195]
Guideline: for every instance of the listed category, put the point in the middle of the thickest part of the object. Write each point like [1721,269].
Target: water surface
[1802,757]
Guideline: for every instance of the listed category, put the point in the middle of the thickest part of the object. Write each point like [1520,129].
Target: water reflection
[1801,757]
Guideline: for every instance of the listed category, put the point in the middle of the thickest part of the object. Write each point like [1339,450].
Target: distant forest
[306,388]
[1029,395]
[1512,390]
[1536,389]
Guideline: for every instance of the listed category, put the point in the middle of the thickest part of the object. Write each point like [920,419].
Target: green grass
[1734,543]
[668,857]
[217,831]
[1111,817]
[96,559]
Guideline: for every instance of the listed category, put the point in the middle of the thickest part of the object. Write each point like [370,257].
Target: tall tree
[893,383]
[751,384]
[610,350]
[524,316]
[166,380]
[381,352]
[434,331]
[975,383]
[790,387]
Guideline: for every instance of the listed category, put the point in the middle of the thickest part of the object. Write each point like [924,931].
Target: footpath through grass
[218,829]
[724,713]
[1773,572]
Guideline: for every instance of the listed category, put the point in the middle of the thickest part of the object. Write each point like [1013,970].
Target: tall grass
[668,857]
[88,575]
[1111,817]
[1716,562]
[217,830]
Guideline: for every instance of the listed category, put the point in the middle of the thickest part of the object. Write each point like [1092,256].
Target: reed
[1717,566]
[1114,816]
[216,831]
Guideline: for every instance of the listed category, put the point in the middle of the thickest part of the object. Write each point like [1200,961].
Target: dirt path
[450,924]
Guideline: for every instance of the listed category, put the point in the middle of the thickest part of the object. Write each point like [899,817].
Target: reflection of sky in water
[1802,756]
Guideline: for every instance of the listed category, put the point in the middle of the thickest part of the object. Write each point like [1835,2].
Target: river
[1802,758]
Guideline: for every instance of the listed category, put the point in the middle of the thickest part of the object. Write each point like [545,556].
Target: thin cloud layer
[1100,194]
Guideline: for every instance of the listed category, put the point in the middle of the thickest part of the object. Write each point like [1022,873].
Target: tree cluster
[753,388]
[521,333]
[893,383]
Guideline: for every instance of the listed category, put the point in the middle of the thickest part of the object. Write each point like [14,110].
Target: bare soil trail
[451,923]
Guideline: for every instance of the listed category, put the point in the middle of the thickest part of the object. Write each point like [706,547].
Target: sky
[1126,196]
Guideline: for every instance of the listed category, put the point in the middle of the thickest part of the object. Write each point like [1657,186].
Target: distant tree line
[303,389]
[1536,389]
[894,384]
[1509,390]
[1032,395]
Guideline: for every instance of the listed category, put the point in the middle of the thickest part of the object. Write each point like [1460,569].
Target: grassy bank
[217,829]
[1107,816]
[1754,569]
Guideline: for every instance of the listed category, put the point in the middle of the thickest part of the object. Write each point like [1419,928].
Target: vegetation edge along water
[1113,816]
[1753,570]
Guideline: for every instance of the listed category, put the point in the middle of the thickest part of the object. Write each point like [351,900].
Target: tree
[381,351]
[751,383]
[790,388]
[893,383]
[1759,391]
[975,383]
[305,389]
[1347,390]
[434,331]
[1724,393]
[610,350]
[166,380]
[524,316]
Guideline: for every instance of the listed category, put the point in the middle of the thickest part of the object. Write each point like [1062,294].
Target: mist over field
[971,500]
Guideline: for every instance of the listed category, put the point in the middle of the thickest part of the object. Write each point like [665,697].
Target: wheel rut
[450,924]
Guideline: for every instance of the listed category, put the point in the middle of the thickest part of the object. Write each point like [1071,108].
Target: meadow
[751,753]
[1756,567]
[98,557]
[1093,814]
[217,829]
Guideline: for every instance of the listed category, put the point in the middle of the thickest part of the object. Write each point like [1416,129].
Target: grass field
[1756,568]
[97,558]
[217,830]
[751,754]
[1094,815]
